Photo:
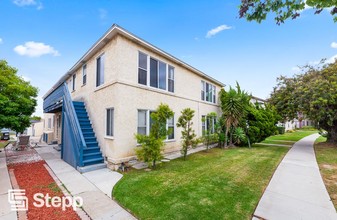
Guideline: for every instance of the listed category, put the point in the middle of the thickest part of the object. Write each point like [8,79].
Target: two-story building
[108,95]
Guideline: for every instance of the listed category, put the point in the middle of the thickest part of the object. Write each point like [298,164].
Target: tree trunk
[332,135]
[226,136]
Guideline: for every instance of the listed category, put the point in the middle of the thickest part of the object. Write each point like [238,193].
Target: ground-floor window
[208,122]
[109,122]
[145,122]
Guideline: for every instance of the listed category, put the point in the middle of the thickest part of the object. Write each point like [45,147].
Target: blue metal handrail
[74,125]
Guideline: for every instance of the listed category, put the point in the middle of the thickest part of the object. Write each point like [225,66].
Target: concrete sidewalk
[5,184]
[94,187]
[296,190]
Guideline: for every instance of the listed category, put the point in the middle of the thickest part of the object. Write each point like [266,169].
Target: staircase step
[91,167]
[91,144]
[90,139]
[90,150]
[78,103]
[93,161]
[88,134]
[94,155]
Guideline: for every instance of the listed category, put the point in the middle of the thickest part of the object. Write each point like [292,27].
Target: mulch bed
[31,175]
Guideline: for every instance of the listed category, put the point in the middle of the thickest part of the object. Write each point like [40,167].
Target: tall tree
[152,144]
[283,9]
[234,104]
[188,135]
[17,99]
[312,93]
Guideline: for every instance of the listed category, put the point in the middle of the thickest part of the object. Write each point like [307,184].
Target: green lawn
[278,142]
[3,144]
[295,136]
[326,155]
[218,184]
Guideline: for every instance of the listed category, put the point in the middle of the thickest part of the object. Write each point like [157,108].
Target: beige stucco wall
[122,92]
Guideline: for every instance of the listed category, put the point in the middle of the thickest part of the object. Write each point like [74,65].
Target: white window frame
[84,74]
[73,82]
[102,70]
[112,115]
[148,123]
[148,72]
[210,95]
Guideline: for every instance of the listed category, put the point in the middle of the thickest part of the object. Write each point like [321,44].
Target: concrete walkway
[296,190]
[5,184]
[94,187]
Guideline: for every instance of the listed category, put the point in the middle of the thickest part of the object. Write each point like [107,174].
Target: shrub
[281,129]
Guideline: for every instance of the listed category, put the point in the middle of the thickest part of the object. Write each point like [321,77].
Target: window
[171,79]
[170,128]
[202,90]
[74,77]
[84,74]
[100,70]
[49,123]
[145,123]
[208,122]
[142,68]
[153,73]
[203,124]
[160,74]
[142,119]
[109,122]
[208,92]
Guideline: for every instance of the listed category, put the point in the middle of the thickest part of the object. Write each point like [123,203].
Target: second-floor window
[159,74]
[208,92]
[100,70]
[74,82]
[84,74]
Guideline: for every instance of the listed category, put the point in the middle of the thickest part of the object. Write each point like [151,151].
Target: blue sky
[44,39]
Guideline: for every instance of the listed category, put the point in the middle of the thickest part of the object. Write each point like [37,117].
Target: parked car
[5,134]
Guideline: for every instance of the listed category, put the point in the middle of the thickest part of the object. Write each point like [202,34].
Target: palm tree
[234,103]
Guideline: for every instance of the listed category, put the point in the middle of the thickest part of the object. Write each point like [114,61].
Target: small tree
[152,144]
[188,134]
[17,99]
[209,135]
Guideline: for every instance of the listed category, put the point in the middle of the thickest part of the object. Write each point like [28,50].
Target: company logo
[19,202]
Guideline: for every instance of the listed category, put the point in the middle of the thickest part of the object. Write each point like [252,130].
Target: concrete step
[91,167]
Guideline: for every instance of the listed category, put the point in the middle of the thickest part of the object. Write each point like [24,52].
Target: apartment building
[108,95]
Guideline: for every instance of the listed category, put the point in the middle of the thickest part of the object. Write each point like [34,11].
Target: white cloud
[331,59]
[102,13]
[35,49]
[217,30]
[1,41]
[23,3]
[296,69]
[26,78]
[334,45]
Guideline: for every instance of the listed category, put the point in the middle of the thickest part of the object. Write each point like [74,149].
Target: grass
[3,144]
[294,136]
[218,184]
[326,155]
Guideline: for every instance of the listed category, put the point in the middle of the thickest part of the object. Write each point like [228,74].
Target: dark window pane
[84,80]
[153,73]
[171,79]
[207,92]
[162,75]
[142,76]
[170,85]
[108,119]
[141,130]
[142,61]
[74,78]
[98,71]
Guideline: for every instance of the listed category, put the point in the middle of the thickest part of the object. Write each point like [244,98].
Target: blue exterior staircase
[92,156]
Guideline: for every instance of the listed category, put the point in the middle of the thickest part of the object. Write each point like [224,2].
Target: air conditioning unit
[48,137]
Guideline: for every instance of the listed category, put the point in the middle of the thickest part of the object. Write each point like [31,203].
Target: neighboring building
[108,95]
[36,128]
[258,101]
